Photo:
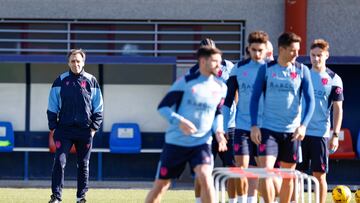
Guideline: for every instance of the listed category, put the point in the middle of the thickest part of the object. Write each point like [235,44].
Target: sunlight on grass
[95,195]
[15,195]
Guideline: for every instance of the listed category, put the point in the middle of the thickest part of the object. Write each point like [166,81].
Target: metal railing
[150,38]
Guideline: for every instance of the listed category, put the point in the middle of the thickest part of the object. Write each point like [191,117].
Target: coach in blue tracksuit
[75,113]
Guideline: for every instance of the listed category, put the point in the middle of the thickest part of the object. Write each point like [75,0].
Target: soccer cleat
[53,199]
[82,200]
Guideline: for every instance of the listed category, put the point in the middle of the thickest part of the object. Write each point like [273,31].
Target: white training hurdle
[221,174]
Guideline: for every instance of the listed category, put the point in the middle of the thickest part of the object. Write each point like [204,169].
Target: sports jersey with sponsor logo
[283,88]
[224,74]
[197,98]
[242,78]
[328,87]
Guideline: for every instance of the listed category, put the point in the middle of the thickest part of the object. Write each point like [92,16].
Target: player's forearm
[97,119]
[218,124]
[308,92]
[337,116]
[226,116]
[256,93]
[171,116]
[232,87]
[52,120]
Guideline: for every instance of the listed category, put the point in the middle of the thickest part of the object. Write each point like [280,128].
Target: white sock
[232,200]
[197,200]
[277,199]
[78,199]
[252,199]
[242,199]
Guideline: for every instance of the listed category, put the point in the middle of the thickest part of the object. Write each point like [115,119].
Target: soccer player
[328,90]
[227,157]
[276,180]
[193,109]
[75,113]
[283,83]
[242,79]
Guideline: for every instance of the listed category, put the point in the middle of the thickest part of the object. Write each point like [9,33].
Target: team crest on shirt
[245,73]
[67,83]
[295,157]
[293,75]
[83,84]
[324,81]
[273,75]
[219,74]
[338,90]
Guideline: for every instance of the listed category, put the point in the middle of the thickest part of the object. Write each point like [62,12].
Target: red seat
[345,149]
[52,147]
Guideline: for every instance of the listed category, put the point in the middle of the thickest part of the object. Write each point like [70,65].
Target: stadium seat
[345,150]
[125,138]
[52,147]
[6,137]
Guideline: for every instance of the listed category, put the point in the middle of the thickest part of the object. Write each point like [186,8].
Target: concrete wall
[337,22]
[258,14]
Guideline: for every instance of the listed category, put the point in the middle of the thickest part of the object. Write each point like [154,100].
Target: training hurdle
[221,174]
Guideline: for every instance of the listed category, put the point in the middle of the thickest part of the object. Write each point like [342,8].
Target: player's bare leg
[321,177]
[159,188]
[266,186]
[253,185]
[197,188]
[243,186]
[203,175]
[287,186]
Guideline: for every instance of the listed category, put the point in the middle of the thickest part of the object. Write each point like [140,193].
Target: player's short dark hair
[258,37]
[207,42]
[247,52]
[320,43]
[287,38]
[76,51]
[207,51]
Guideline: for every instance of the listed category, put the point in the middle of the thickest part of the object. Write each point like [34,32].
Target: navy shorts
[244,146]
[279,145]
[174,158]
[226,157]
[314,150]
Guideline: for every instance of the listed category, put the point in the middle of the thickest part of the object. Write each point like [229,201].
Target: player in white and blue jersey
[284,82]
[227,157]
[193,109]
[328,91]
[241,80]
